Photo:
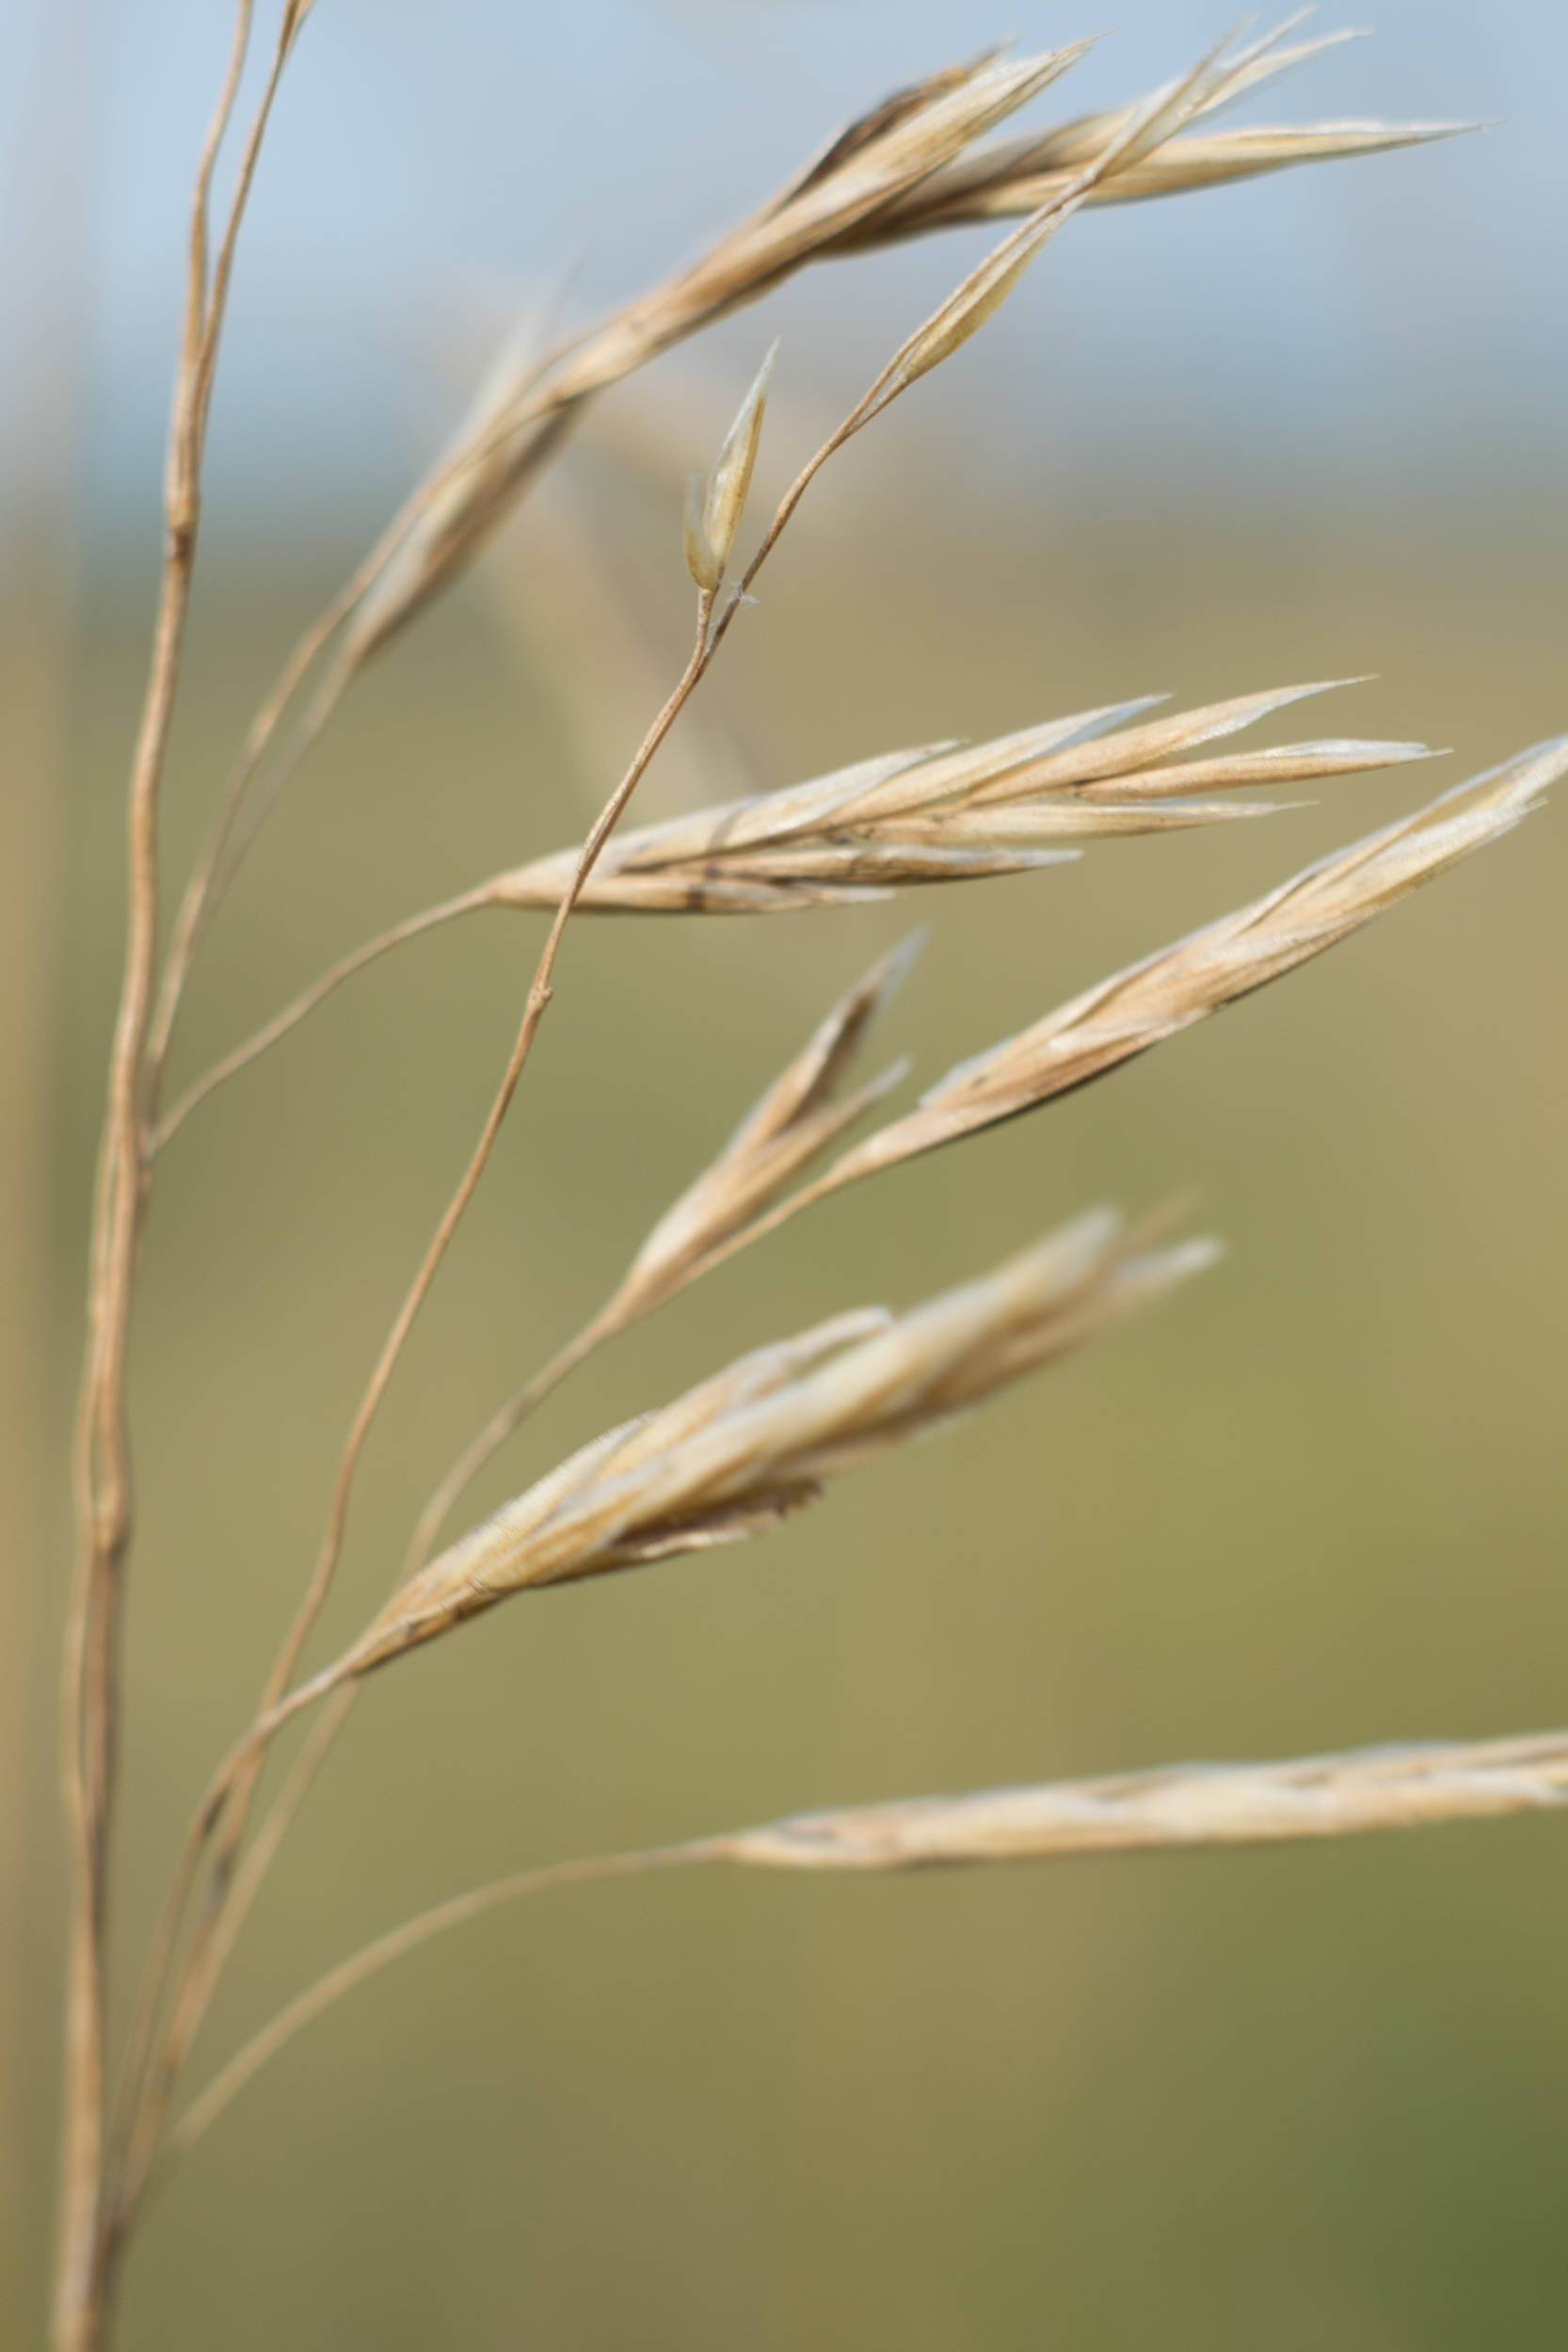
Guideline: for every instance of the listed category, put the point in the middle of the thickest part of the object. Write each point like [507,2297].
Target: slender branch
[607,1325]
[249,1751]
[204,2111]
[411,927]
[149,2102]
[198,903]
[247,1881]
[226,843]
[536,1005]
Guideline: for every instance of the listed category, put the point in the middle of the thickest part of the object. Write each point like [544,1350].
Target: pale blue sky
[1397,319]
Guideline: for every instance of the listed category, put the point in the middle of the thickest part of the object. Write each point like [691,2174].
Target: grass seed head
[1181,984]
[948,813]
[741,1450]
[1179,1806]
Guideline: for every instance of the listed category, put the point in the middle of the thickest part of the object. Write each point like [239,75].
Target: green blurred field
[1312,2102]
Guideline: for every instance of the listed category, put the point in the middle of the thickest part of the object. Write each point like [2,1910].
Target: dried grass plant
[765,1434]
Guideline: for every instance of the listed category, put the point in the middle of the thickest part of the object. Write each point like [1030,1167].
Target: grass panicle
[747,1448]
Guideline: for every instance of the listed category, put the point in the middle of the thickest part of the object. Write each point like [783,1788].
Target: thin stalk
[104,1462]
[586,1871]
[250,1050]
[607,1325]
[199,901]
[226,845]
[246,1881]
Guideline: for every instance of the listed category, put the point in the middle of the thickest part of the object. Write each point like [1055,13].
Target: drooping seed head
[742,1451]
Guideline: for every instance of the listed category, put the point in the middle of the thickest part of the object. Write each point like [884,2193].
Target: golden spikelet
[946,813]
[738,1452]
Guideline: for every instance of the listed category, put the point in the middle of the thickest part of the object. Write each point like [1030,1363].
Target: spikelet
[731,479]
[947,813]
[797,1119]
[980,297]
[737,1453]
[1178,1805]
[1169,991]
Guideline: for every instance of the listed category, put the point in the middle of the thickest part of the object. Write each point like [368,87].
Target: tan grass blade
[736,1452]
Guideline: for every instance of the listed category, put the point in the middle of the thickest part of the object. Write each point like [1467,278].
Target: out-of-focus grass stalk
[44,207]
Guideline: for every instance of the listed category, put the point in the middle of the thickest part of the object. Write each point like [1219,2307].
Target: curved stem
[137,2079]
[239,1893]
[503,1425]
[226,846]
[322,709]
[310,2005]
[357,960]
[199,901]
[537,1003]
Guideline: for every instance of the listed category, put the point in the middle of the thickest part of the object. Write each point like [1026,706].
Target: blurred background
[1306,428]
